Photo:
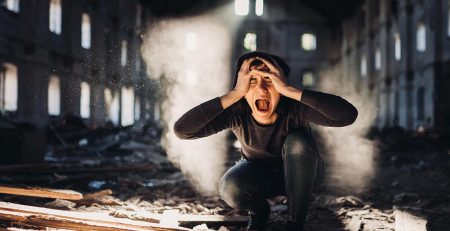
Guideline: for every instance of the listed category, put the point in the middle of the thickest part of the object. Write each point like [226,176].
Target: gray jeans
[249,183]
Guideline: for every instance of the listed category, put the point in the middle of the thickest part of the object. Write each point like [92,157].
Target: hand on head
[274,72]
[244,75]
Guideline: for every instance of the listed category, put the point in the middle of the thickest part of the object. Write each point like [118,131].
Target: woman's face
[262,96]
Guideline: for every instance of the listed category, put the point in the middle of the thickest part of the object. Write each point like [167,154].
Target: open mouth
[262,104]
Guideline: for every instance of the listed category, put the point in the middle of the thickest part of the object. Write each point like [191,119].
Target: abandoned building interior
[90,91]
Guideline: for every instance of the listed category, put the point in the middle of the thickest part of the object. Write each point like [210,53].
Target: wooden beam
[41,192]
[74,220]
[185,219]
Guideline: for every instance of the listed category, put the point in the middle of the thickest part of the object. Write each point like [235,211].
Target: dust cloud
[191,59]
[350,155]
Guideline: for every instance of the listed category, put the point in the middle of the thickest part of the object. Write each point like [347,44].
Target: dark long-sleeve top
[265,141]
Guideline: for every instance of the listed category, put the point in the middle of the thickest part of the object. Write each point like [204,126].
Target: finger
[264,73]
[269,64]
[246,64]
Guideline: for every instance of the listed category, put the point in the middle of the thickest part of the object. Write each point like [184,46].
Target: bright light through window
[86,31]
[157,112]
[308,79]
[54,96]
[421,43]
[241,7]
[8,87]
[250,41]
[137,109]
[259,7]
[378,59]
[448,19]
[112,105]
[363,66]
[308,42]
[397,46]
[191,41]
[85,100]
[123,53]
[55,16]
[12,5]
[127,106]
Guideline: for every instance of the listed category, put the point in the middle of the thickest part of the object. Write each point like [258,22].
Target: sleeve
[204,120]
[326,109]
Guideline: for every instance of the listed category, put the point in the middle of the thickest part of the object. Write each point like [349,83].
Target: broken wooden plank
[184,219]
[41,192]
[405,220]
[68,223]
[73,220]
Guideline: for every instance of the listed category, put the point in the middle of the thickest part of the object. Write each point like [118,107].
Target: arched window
[241,7]
[378,59]
[127,106]
[8,87]
[250,41]
[259,7]
[308,42]
[137,109]
[363,66]
[85,100]
[308,78]
[85,31]
[448,18]
[54,96]
[123,53]
[55,16]
[421,42]
[112,105]
[12,5]
[397,46]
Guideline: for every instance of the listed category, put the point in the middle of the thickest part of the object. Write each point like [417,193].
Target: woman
[271,121]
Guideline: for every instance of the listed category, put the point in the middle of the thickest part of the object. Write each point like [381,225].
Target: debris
[97,184]
[41,192]
[61,204]
[170,218]
[356,224]
[44,217]
[202,227]
[406,220]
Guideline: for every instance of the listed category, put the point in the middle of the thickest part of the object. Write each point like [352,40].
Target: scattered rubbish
[96,184]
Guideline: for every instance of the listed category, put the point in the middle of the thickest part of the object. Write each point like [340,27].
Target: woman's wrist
[230,98]
[292,92]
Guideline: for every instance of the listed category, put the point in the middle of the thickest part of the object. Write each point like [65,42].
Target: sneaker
[258,219]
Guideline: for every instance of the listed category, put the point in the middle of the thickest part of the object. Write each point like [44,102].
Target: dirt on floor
[135,176]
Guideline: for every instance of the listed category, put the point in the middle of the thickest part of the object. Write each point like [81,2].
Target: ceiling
[333,10]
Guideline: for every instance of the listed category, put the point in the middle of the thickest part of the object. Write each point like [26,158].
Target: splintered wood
[169,220]
[44,217]
[41,192]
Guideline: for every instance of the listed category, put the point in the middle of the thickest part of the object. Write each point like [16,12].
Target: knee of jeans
[231,190]
[299,143]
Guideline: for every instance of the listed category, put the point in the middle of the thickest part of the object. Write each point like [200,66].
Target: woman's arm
[203,120]
[327,109]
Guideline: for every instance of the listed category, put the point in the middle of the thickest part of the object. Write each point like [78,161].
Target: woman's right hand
[244,76]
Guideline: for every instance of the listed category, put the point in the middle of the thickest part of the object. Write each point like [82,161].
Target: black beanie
[271,58]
